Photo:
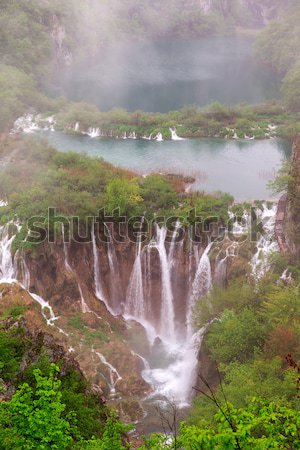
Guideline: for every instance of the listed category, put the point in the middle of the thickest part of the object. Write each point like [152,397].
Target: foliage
[291,88]
[278,46]
[261,425]
[235,337]
[124,195]
[12,347]
[32,419]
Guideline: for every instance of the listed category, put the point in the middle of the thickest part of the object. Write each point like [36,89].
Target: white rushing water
[201,285]
[175,381]
[174,135]
[172,364]
[266,244]
[97,280]
[135,299]
[167,325]
[114,376]
[84,306]
[9,271]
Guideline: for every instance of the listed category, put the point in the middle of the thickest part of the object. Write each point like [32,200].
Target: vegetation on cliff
[278,46]
[77,185]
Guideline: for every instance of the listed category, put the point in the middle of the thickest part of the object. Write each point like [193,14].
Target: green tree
[235,336]
[291,88]
[123,194]
[32,419]
[259,426]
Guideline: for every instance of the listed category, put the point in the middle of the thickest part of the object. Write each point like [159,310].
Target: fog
[165,75]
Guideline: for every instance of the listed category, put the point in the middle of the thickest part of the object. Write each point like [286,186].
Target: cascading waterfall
[98,285]
[93,132]
[174,135]
[84,307]
[221,263]
[135,299]
[173,242]
[9,272]
[115,297]
[7,269]
[167,325]
[114,376]
[201,285]
[266,244]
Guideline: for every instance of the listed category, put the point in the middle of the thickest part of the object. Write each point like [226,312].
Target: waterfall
[114,272]
[173,243]
[144,361]
[135,299]
[98,285]
[174,136]
[167,327]
[67,264]
[21,268]
[159,137]
[7,269]
[93,132]
[221,270]
[50,318]
[176,380]
[221,263]
[266,244]
[201,285]
[84,307]
[114,376]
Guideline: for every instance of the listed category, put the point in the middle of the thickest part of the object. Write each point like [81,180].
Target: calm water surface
[240,167]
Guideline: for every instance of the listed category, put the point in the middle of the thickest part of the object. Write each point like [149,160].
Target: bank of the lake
[239,167]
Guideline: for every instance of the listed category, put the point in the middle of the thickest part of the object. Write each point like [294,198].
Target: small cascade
[47,310]
[132,135]
[147,138]
[93,132]
[167,327]
[98,285]
[135,299]
[114,271]
[7,269]
[76,127]
[173,243]
[84,307]
[266,244]
[159,137]
[22,270]
[174,135]
[114,376]
[144,361]
[286,277]
[201,285]
[221,263]
[221,270]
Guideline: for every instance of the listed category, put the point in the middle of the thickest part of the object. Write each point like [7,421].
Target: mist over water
[167,75]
